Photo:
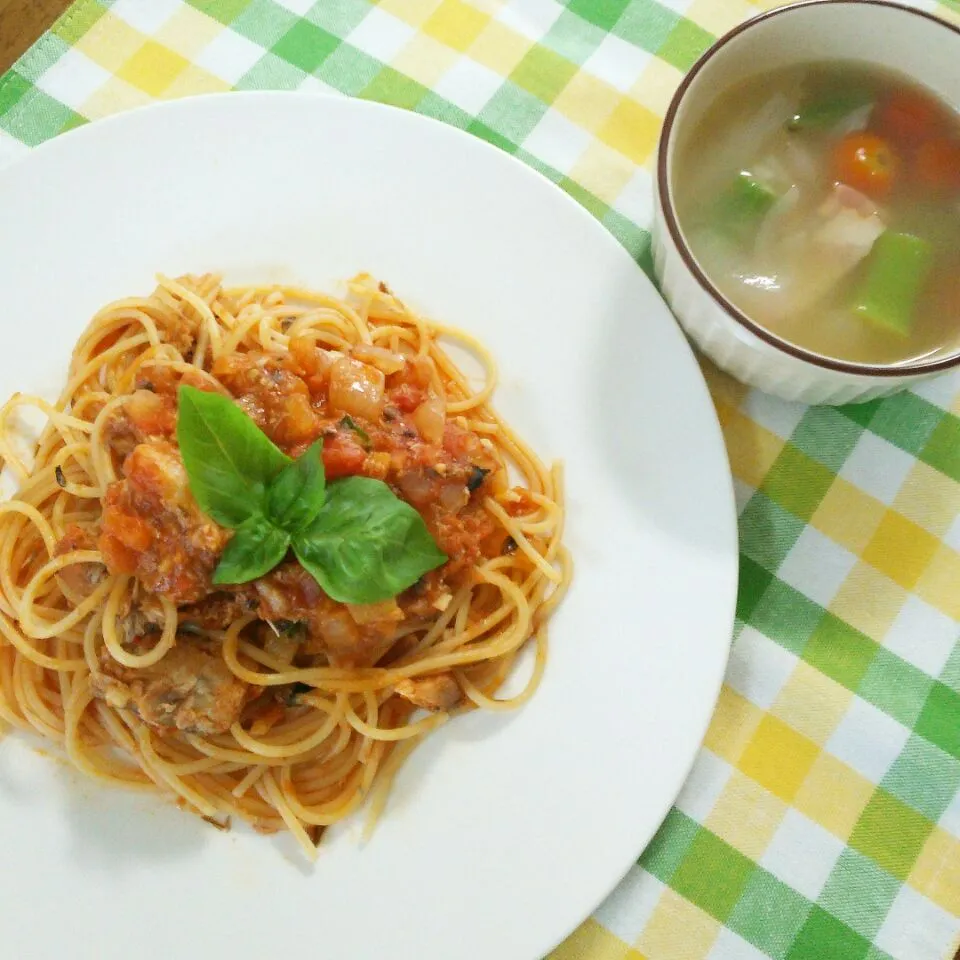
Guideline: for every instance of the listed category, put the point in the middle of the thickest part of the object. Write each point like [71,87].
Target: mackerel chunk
[190,689]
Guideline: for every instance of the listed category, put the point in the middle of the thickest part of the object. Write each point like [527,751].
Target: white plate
[503,832]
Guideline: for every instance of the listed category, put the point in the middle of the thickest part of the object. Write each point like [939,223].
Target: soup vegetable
[824,202]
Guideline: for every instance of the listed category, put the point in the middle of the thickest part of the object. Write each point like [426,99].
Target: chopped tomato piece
[867,163]
[407,397]
[520,504]
[127,529]
[462,443]
[118,558]
[342,457]
[152,415]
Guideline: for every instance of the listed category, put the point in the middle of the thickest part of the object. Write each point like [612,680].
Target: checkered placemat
[822,818]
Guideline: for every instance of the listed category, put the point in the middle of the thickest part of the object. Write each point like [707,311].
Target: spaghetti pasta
[266,701]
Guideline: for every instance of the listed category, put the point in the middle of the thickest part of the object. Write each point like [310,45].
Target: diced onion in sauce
[423,370]
[430,418]
[338,630]
[385,360]
[453,496]
[356,389]
[282,646]
[416,487]
[364,613]
[312,360]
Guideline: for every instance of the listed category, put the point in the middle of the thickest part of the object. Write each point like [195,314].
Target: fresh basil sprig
[255,548]
[230,461]
[297,493]
[393,552]
[355,537]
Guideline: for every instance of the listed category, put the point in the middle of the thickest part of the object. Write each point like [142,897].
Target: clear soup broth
[824,202]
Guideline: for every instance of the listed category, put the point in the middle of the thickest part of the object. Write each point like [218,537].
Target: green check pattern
[822,818]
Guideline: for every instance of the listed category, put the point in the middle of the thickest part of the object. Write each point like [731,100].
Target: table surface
[821,820]
[22,22]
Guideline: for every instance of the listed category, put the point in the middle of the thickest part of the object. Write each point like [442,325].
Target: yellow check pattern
[822,818]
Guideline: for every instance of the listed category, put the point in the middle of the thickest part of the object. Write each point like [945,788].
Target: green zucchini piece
[824,110]
[897,268]
[742,206]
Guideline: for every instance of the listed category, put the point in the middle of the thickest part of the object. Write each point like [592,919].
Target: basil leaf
[366,544]
[255,549]
[229,460]
[296,494]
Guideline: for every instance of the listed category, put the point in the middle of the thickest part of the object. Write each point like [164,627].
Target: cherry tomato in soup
[865,162]
[937,164]
[908,117]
